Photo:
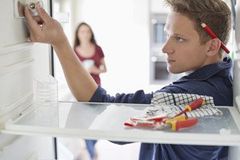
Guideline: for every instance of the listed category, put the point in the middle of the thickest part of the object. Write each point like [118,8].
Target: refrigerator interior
[20,63]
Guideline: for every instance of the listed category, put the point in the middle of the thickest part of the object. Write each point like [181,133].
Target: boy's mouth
[170,61]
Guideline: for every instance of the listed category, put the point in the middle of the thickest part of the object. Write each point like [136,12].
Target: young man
[189,49]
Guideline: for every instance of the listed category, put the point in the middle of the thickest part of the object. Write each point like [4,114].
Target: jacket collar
[204,73]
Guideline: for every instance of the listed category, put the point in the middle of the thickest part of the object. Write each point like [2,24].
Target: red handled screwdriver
[194,105]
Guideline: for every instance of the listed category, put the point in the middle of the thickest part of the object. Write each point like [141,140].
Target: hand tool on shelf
[176,122]
[192,106]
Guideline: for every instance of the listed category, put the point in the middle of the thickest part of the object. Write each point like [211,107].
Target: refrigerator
[20,62]
[27,131]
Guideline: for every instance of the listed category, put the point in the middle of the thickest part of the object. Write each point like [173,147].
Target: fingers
[32,24]
[42,13]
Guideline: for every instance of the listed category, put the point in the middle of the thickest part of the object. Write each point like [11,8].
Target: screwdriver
[194,105]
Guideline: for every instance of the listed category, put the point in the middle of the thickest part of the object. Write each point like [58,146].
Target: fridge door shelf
[105,121]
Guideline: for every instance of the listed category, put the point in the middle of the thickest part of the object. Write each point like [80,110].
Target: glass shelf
[105,121]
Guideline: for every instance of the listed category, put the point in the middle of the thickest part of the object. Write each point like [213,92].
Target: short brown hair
[215,13]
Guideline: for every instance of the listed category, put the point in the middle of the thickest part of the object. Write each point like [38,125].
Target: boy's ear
[214,46]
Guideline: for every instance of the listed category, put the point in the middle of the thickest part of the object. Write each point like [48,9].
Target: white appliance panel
[20,61]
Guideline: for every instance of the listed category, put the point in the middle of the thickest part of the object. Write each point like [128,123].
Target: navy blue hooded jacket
[212,80]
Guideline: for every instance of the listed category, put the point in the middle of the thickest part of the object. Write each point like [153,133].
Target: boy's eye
[179,39]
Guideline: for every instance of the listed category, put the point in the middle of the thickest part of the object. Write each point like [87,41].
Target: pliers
[175,122]
[178,122]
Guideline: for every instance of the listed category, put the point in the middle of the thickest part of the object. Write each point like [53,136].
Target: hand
[43,28]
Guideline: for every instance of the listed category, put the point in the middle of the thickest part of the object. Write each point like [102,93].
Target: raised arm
[45,29]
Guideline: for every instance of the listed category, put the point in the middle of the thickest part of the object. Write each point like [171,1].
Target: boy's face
[183,48]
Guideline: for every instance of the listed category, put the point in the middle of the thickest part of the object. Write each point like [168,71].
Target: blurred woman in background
[89,52]
[92,58]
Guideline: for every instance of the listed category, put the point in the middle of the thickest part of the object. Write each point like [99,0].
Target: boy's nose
[167,48]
